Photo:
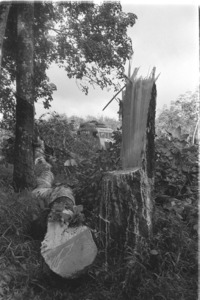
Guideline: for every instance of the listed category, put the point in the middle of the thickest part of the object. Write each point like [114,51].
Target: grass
[164,270]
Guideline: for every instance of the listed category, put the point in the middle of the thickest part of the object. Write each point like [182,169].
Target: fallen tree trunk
[126,206]
[68,247]
[68,251]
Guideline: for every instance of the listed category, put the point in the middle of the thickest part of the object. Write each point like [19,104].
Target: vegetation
[182,116]
[167,268]
[88,40]
[80,37]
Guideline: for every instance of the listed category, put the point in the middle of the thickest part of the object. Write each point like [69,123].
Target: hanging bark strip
[68,247]
[125,210]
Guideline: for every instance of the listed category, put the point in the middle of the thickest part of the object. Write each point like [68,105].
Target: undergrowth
[164,269]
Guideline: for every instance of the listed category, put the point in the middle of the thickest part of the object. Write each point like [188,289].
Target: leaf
[154,252]
[195,227]
[1,291]
[176,133]
[78,209]
[189,201]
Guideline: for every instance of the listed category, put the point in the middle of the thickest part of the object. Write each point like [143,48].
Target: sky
[164,36]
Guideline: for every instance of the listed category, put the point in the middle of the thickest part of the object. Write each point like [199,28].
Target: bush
[176,167]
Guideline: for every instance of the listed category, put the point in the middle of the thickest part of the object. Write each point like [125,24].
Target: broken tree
[68,247]
[125,212]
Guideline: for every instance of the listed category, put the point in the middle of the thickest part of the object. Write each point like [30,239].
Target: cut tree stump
[126,206]
[125,212]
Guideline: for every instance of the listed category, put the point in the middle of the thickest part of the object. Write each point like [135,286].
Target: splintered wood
[136,101]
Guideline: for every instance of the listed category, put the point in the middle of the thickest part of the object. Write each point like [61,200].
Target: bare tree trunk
[4,10]
[23,176]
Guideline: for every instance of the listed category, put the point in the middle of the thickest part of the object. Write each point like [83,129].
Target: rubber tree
[23,175]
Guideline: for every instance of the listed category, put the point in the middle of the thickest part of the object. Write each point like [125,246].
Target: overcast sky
[164,36]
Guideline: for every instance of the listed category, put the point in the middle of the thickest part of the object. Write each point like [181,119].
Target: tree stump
[126,206]
[125,212]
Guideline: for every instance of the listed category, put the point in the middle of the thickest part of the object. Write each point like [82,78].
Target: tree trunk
[4,10]
[68,247]
[23,176]
[126,207]
[125,212]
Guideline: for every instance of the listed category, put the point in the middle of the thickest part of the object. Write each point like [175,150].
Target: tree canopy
[89,41]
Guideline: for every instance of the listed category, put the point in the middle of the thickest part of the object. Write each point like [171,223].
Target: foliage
[7,103]
[183,112]
[8,150]
[96,34]
[88,40]
[176,167]
[164,269]
[167,268]
[90,162]
[57,134]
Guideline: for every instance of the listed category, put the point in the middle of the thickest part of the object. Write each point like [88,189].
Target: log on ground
[68,251]
[68,247]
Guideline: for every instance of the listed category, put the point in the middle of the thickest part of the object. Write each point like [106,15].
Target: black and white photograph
[99,150]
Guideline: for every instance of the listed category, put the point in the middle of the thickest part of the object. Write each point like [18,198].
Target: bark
[4,10]
[23,176]
[126,207]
